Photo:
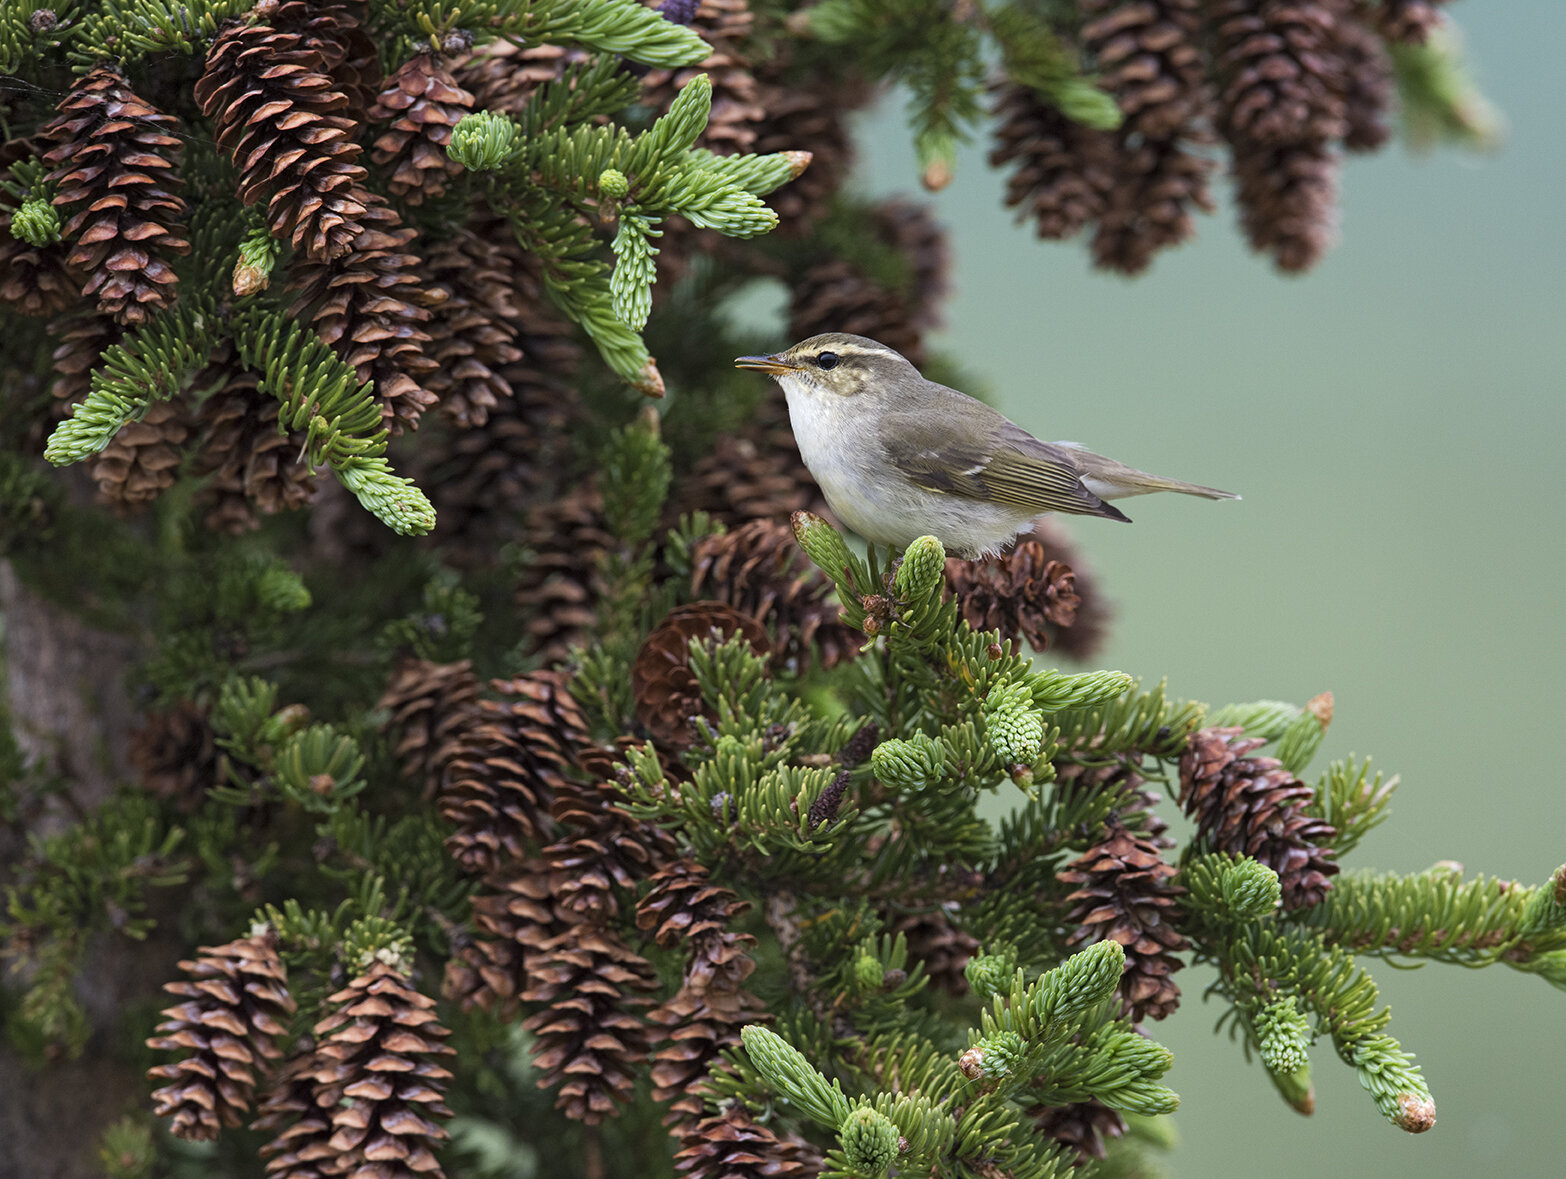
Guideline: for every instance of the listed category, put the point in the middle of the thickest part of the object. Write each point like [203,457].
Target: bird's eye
[827,360]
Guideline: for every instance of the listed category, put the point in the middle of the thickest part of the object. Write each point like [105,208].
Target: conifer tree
[492,757]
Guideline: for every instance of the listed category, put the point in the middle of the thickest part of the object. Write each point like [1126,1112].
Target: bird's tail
[1109,479]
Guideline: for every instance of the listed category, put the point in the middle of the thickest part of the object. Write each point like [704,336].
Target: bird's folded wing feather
[1012,467]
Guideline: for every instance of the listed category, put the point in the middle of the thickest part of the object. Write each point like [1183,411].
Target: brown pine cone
[277,110]
[371,305]
[301,1127]
[808,112]
[602,853]
[1252,806]
[704,1017]
[1146,54]
[1028,594]
[236,1005]
[142,460]
[1278,77]
[1408,21]
[1157,185]
[374,1074]
[563,583]
[83,340]
[1124,894]
[941,945]
[1288,201]
[474,334]
[515,923]
[588,1040]
[760,570]
[118,159]
[34,280]
[1064,171]
[732,1145]
[511,761]
[1368,84]
[504,76]
[254,467]
[176,754]
[423,101]
[668,698]
[736,109]
[1080,1127]
[431,708]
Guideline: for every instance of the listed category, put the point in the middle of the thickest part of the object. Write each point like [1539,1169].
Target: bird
[899,457]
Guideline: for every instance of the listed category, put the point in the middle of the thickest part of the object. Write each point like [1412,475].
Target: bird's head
[836,363]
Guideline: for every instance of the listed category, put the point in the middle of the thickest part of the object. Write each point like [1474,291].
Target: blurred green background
[1395,422]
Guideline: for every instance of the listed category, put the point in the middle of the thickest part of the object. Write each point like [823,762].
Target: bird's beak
[765,364]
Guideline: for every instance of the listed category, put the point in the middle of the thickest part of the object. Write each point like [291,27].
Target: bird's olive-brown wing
[1009,467]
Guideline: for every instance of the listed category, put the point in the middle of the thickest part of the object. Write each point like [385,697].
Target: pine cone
[602,853]
[1278,78]
[254,466]
[83,341]
[1158,182]
[276,109]
[371,305]
[516,922]
[808,112]
[941,945]
[142,460]
[760,570]
[1124,894]
[431,707]
[1368,85]
[300,1125]
[704,1017]
[1081,1126]
[1030,593]
[668,698]
[512,760]
[474,335]
[754,474]
[1288,202]
[236,1005]
[588,1040]
[374,1075]
[1065,171]
[1407,21]
[563,583]
[1146,54]
[732,1145]
[118,159]
[736,109]
[34,280]
[176,754]
[1081,772]
[1252,806]
[423,101]
[504,76]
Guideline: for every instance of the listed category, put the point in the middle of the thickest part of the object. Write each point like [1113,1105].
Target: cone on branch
[275,108]
[1031,594]
[422,101]
[563,580]
[515,922]
[1368,84]
[1252,806]
[1064,170]
[733,1145]
[301,1127]
[736,93]
[1082,1127]
[252,467]
[1124,893]
[473,339]
[116,164]
[754,473]
[143,458]
[513,757]
[431,708]
[235,1006]
[760,570]
[35,280]
[375,1073]
[668,698]
[808,113]
[175,751]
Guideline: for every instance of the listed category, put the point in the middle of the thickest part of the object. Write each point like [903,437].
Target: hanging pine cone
[753,474]
[175,752]
[431,708]
[371,305]
[300,1126]
[736,109]
[760,570]
[374,1074]
[562,583]
[1081,1127]
[142,460]
[512,760]
[705,1015]
[34,280]
[1158,183]
[276,109]
[423,102]
[83,340]
[1124,894]
[1029,594]
[668,698]
[474,336]
[236,1005]
[1254,807]
[253,466]
[1064,170]
[118,159]
[588,1040]
[504,76]
[1147,55]
[808,111]
[1288,202]
[940,945]
[732,1145]
[1368,84]
[515,923]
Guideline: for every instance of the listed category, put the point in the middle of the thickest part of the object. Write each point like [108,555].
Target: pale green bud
[282,590]
[822,543]
[907,765]
[612,184]
[1083,980]
[484,141]
[922,571]
[869,1141]
[36,222]
[1284,1033]
[990,974]
[1014,729]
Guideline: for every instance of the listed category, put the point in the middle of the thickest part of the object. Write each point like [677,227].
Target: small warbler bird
[899,457]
